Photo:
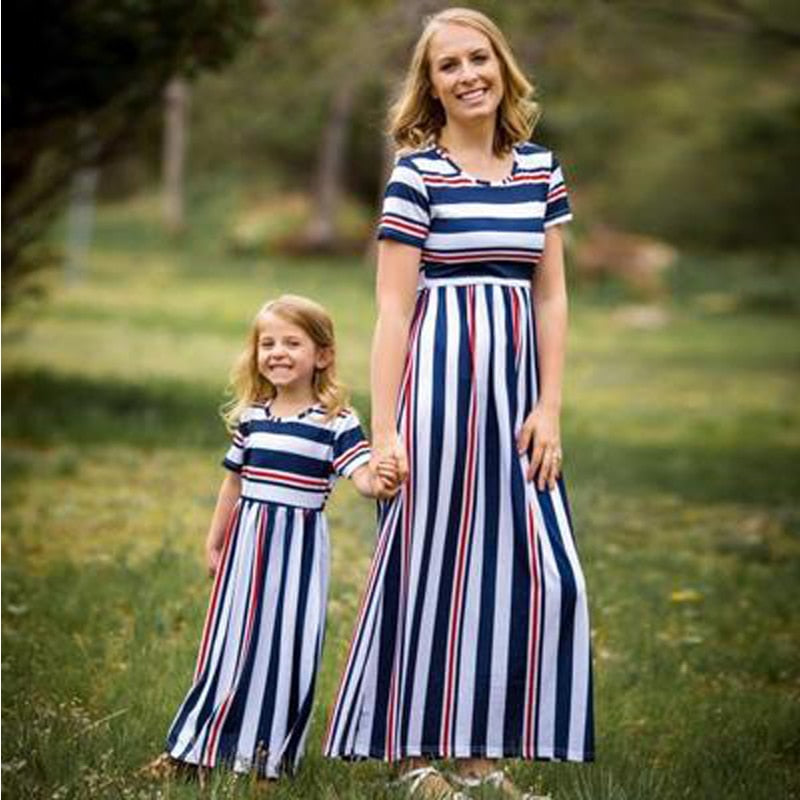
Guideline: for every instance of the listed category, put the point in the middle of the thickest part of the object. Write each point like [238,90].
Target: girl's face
[287,355]
[465,74]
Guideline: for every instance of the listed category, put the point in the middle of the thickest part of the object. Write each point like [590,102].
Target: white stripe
[405,208]
[487,239]
[523,210]
[431,282]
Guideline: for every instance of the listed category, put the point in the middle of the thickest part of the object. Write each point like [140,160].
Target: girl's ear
[324,357]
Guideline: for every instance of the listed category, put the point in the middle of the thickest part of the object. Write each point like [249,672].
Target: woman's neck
[475,140]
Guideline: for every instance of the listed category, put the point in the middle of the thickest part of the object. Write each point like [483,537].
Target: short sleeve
[406,209]
[350,446]
[557,210]
[234,458]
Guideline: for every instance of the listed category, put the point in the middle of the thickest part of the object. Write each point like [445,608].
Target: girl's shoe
[498,780]
[427,783]
[165,767]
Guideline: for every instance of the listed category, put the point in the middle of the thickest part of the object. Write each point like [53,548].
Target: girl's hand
[386,478]
[542,428]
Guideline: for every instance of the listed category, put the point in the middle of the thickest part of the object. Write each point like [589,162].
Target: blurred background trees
[680,121]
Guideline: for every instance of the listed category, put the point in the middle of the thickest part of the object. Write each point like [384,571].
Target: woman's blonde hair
[248,386]
[416,118]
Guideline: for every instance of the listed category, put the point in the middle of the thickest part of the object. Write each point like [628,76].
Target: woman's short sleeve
[557,209]
[234,458]
[406,209]
[350,446]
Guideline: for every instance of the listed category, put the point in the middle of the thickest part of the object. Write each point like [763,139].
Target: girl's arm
[229,493]
[396,285]
[550,307]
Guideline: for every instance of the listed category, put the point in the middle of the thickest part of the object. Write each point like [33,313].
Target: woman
[472,642]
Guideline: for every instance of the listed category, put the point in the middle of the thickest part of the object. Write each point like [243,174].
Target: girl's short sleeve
[557,210]
[234,458]
[406,207]
[350,446]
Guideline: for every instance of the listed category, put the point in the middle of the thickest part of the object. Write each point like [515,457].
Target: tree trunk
[176,105]
[321,231]
[80,213]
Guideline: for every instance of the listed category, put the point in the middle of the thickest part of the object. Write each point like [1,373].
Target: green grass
[682,440]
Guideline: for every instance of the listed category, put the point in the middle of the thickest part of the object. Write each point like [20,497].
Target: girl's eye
[480,58]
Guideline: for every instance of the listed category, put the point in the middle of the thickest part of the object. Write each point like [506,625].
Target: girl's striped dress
[250,703]
[473,635]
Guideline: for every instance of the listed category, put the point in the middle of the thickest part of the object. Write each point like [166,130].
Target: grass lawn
[681,437]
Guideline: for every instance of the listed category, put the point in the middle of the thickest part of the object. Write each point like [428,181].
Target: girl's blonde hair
[249,386]
[417,118]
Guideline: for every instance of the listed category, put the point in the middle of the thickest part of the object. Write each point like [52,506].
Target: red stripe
[533,638]
[524,256]
[222,567]
[557,194]
[348,455]
[285,477]
[441,180]
[466,519]
[403,225]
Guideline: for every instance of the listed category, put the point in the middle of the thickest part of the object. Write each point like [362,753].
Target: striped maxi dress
[250,702]
[473,637]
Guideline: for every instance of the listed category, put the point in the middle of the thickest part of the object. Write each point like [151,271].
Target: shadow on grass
[46,408]
[697,471]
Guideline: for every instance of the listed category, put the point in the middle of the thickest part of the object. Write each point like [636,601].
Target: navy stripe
[479,269]
[385,232]
[507,194]
[568,595]
[490,224]
[491,489]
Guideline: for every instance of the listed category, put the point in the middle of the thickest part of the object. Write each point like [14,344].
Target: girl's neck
[287,402]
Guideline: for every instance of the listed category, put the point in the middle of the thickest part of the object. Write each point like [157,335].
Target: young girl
[267,547]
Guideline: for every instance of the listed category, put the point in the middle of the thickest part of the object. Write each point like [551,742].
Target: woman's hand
[542,428]
[389,448]
[213,555]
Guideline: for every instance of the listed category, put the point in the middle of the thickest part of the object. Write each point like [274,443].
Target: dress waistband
[504,273]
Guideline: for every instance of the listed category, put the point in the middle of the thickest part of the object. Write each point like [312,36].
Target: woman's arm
[550,306]
[229,493]
[396,285]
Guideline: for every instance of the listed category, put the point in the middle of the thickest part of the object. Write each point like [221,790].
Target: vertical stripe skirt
[250,702]
[473,638]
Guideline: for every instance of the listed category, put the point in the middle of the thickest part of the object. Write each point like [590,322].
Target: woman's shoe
[499,780]
[427,783]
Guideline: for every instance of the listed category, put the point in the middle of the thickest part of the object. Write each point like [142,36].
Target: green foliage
[77,79]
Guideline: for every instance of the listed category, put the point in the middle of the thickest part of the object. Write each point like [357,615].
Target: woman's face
[465,74]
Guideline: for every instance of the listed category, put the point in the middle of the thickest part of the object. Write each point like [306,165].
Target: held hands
[541,427]
[388,466]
